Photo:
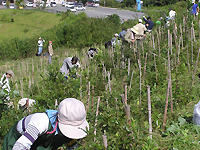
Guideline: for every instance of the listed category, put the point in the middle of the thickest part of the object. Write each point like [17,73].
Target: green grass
[26,23]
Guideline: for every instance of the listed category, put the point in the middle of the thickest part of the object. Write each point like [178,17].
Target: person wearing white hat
[130,34]
[40,46]
[141,30]
[26,103]
[115,40]
[51,129]
[5,82]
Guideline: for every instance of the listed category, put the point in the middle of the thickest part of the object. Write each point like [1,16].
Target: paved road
[97,12]
[103,12]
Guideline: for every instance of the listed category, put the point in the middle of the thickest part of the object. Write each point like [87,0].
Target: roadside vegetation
[115,86]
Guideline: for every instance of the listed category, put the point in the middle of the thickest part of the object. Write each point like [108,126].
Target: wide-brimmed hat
[72,118]
[140,20]
[10,72]
[23,101]
[135,29]
[116,34]
[50,41]
[40,38]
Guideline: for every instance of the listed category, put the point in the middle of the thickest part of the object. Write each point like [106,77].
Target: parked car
[42,4]
[63,4]
[69,4]
[12,6]
[3,3]
[29,4]
[72,9]
[53,4]
[80,7]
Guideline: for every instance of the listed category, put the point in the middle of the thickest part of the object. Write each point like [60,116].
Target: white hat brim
[74,132]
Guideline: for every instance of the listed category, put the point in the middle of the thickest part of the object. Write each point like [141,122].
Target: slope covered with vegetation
[117,86]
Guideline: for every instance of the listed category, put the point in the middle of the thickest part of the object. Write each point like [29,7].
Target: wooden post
[155,69]
[195,69]
[105,141]
[145,64]
[125,94]
[97,112]
[166,105]
[109,86]
[191,46]
[149,110]
[140,82]
[92,98]
[131,80]
[129,66]
[88,97]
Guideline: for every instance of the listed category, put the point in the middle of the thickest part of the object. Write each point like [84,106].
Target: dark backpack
[107,44]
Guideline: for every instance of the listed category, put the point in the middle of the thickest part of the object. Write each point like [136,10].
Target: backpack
[108,44]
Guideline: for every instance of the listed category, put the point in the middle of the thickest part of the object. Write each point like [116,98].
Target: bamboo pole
[131,80]
[166,105]
[140,83]
[109,85]
[145,64]
[149,110]
[191,47]
[129,66]
[88,97]
[155,69]
[105,143]
[195,69]
[188,61]
[125,94]
[97,112]
[92,98]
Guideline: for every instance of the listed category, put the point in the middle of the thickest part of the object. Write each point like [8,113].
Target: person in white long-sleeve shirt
[40,46]
[51,129]
[5,82]
[68,64]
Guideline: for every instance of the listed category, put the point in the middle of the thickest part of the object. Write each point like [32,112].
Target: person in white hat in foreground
[51,129]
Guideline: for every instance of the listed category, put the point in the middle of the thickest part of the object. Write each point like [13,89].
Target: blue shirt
[194,9]
[122,34]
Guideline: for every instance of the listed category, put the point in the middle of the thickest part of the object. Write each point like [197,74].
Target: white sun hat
[135,30]
[72,118]
[140,20]
[116,34]
[23,101]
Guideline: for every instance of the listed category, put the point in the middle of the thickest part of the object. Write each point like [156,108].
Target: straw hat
[135,30]
[10,72]
[72,118]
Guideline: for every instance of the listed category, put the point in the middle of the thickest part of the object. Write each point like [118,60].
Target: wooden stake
[88,98]
[195,69]
[105,141]
[131,80]
[140,82]
[97,112]
[149,110]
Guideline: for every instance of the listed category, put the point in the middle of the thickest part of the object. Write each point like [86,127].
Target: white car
[12,6]
[63,4]
[29,4]
[53,4]
[3,3]
[47,4]
[72,9]
[69,4]
[80,7]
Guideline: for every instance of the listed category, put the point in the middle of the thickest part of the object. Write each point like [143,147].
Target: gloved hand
[197,13]
[144,17]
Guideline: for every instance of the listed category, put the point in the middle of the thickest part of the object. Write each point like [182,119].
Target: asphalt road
[97,12]
[102,12]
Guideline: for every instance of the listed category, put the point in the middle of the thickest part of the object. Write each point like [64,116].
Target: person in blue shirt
[148,23]
[195,9]
[122,34]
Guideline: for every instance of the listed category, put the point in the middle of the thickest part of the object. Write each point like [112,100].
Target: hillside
[119,86]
